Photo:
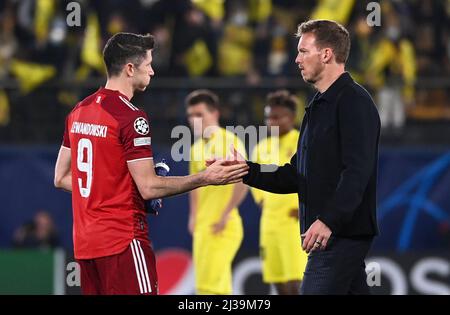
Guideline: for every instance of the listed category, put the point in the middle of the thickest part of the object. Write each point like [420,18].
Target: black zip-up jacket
[339,187]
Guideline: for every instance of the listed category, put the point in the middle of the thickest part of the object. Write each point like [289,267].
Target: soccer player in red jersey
[106,162]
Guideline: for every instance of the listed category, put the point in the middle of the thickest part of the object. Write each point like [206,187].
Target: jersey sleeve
[66,139]
[135,137]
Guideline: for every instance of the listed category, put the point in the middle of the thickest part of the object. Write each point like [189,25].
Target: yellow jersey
[282,257]
[276,207]
[212,200]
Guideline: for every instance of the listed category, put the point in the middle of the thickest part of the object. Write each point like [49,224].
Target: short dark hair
[328,34]
[126,47]
[203,96]
[283,98]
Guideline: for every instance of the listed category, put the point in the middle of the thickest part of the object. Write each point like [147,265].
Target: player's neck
[117,84]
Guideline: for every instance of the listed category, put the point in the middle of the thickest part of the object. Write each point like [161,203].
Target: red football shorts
[131,272]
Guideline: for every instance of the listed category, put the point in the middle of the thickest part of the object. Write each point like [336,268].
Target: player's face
[200,117]
[308,59]
[144,72]
[281,117]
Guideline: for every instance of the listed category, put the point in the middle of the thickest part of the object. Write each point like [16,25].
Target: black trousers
[339,269]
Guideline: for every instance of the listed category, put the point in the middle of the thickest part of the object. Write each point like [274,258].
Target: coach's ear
[327,55]
[129,69]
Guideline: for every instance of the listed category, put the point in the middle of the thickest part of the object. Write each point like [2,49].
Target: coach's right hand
[220,172]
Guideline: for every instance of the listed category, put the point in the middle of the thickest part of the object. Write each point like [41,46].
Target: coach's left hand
[316,237]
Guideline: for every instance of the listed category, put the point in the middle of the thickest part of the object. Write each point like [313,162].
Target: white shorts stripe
[140,263]
[137,268]
[145,268]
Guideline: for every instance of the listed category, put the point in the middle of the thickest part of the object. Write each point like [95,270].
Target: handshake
[161,169]
[231,170]
[234,159]
[218,171]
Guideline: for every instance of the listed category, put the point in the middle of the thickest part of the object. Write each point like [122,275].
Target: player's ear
[129,69]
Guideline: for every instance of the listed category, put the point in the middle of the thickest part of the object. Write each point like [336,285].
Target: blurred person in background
[193,43]
[362,43]
[235,47]
[214,220]
[40,233]
[391,72]
[283,259]
[431,36]
[335,10]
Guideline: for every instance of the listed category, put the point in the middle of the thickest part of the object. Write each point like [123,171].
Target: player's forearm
[159,187]
[64,182]
[284,180]
[63,172]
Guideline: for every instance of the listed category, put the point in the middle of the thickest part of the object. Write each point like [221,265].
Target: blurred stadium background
[242,50]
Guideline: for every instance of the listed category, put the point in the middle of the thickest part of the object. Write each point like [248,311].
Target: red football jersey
[104,132]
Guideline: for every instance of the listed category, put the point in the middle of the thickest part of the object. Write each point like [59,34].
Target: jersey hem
[135,160]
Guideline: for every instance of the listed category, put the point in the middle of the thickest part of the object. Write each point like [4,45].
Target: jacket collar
[332,92]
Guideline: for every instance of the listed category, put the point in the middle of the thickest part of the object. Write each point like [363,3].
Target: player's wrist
[201,179]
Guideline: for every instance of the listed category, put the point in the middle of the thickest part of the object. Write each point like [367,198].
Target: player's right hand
[221,172]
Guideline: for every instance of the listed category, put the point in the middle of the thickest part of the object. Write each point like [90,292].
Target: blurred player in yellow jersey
[283,260]
[214,221]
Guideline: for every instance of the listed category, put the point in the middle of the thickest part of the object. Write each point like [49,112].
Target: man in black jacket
[334,170]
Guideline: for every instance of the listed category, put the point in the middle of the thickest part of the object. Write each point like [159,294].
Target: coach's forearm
[283,180]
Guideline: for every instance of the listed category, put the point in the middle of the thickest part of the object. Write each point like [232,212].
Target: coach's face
[200,117]
[144,72]
[309,59]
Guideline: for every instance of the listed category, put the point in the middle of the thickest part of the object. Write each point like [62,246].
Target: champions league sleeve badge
[141,126]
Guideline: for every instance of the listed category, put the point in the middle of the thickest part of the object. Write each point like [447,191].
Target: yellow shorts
[213,257]
[283,258]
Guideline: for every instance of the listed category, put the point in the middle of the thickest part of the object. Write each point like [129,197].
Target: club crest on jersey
[141,126]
